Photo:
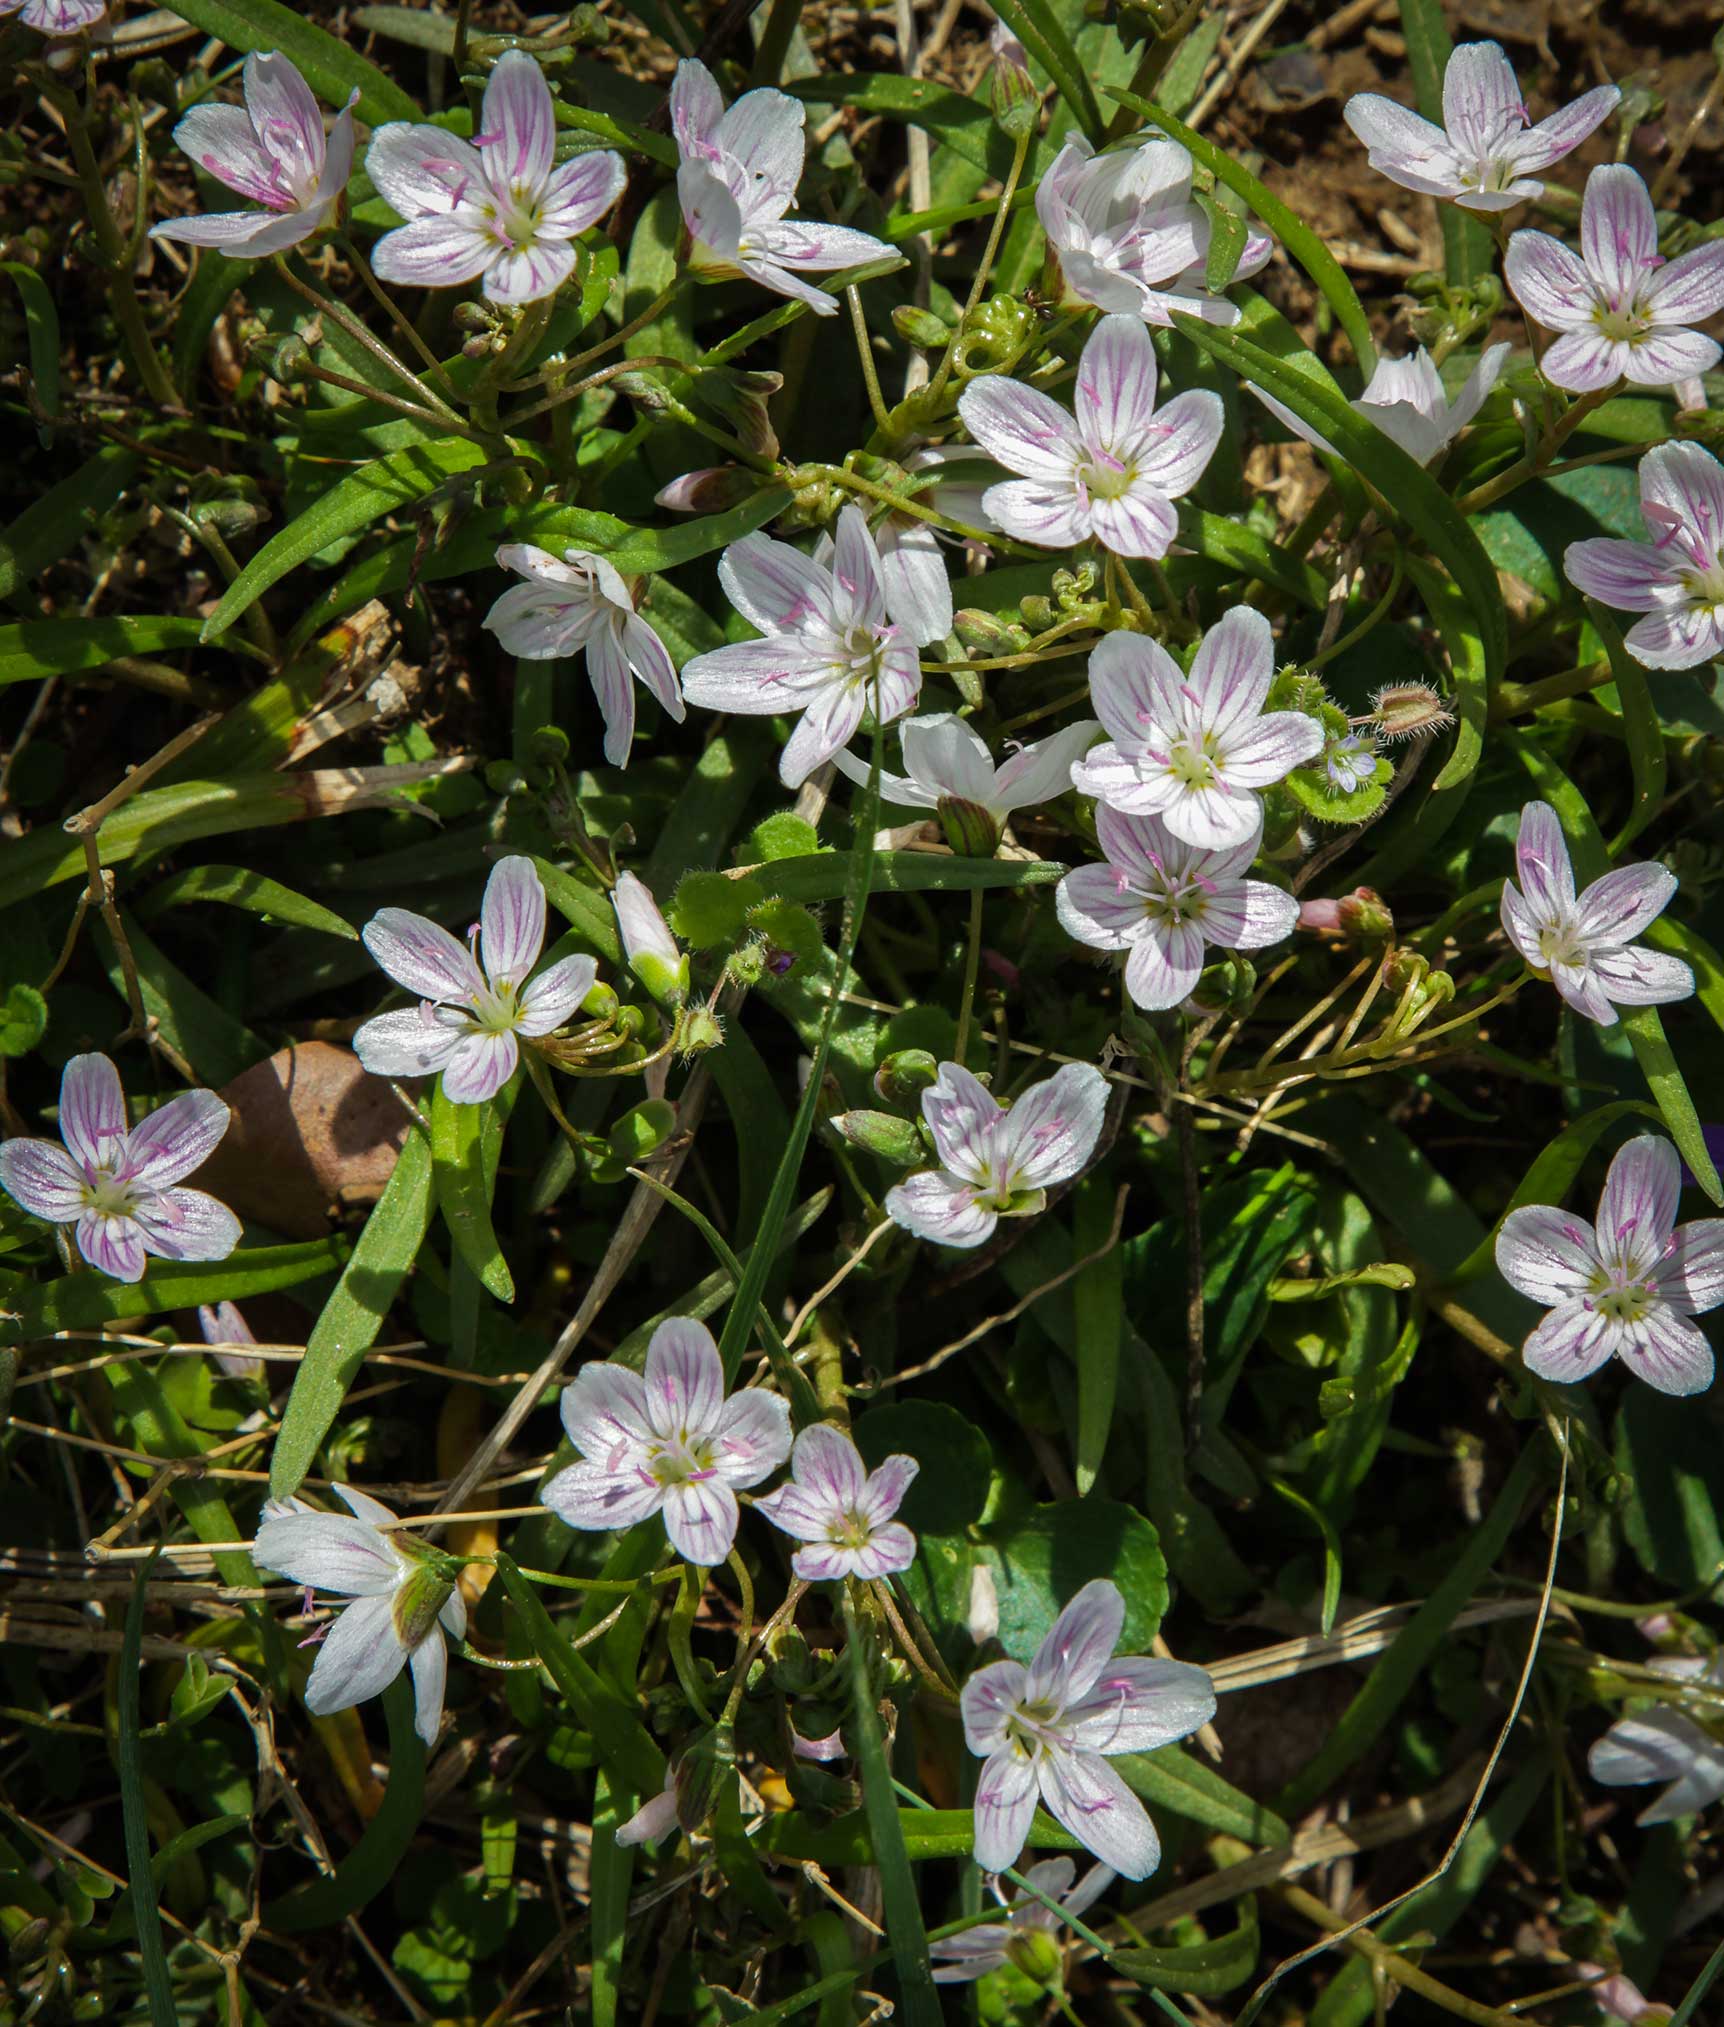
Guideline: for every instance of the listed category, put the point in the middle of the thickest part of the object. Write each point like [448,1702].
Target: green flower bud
[1037,1954]
[885,1134]
[972,830]
[642,1130]
[904,1075]
[920,327]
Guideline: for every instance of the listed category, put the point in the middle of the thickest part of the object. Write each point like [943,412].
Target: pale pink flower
[655,1818]
[1194,750]
[56,17]
[117,1185]
[1618,1997]
[582,605]
[1109,472]
[841,1511]
[991,1945]
[1048,1730]
[1163,901]
[1676,579]
[1486,155]
[1626,1288]
[997,1161]
[736,180]
[1624,311]
[648,945]
[274,152]
[221,1323]
[1664,1744]
[475,999]
[831,647]
[499,206]
[1585,943]
[1127,235]
[405,1599]
[667,1442]
[1407,401]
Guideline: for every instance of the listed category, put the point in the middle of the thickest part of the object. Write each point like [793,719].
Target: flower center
[683,1460]
[1629,323]
[495,1008]
[1191,763]
[1561,943]
[850,1530]
[1622,1301]
[1105,478]
[108,1196]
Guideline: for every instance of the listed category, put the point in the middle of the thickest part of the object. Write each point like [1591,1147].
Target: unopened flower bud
[983,1618]
[291,362]
[601,1004]
[904,1075]
[971,830]
[647,942]
[917,326]
[1037,1954]
[825,1748]
[884,1134]
[984,634]
[1402,968]
[655,1818]
[714,489]
[642,1130]
[1407,710]
[1016,104]
[700,1772]
[1362,916]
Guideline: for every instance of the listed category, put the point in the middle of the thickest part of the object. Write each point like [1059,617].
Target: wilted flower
[647,942]
[472,1007]
[736,180]
[1677,579]
[1029,1922]
[405,1599]
[1162,901]
[831,647]
[498,206]
[841,1510]
[56,17]
[1623,310]
[221,1323]
[117,1185]
[274,152]
[951,771]
[997,1161]
[1049,1729]
[667,1442]
[1407,401]
[1485,155]
[1194,750]
[1585,945]
[581,604]
[1110,471]
[1661,1744]
[1127,236]
[1626,1288]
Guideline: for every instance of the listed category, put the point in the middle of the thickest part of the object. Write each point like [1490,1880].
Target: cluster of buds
[1359,917]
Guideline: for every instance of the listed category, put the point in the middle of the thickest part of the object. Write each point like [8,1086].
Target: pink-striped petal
[941,1208]
[423,172]
[1641,977]
[174,1139]
[92,1115]
[187,1224]
[1085,1795]
[434,252]
[1690,288]
[886,1488]
[1618,230]
[1564,131]
[1687,482]
[580,192]
[361,1657]
[753,1431]
[861,597]
[43,1179]
[890,1547]
[479,1066]
[1691,1273]
[963,1117]
[222,140]
[1231,673]
[1022,428]
[1669,1353]
[597,1500]
[512,920]
[1481,99]
[763,135]
[1140,523]
[1187,430]
[1164,966]
[1586,361]
[1078,1646]
[1549,281]
[1663,357]
[696,107]
[112,1245]
[407,1043]
[1115,393]
[1570,1344]
[1004,1809]
[1049,515]
[1546,1253]
[1138,1705]
[827,1464]
[1099,906]
[1401,145]
[988,1702]
[1542,861]
[774,587]
[1051,1131]
[1681,638]
[527,274]
[700,1518]
[518,124]
[684,1379]
[798,243]
[422,956]
[1627,575]
[604,1412]
[554,996]
[1616,908]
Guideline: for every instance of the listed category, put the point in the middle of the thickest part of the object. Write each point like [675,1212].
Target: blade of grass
[145,1905]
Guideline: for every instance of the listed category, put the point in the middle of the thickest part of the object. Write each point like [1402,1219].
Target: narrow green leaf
[610,1871]
[354,1313]
[56,522]
[157,1982]
[1664,1079]
[1099,1317]
[1641,727]
[587,913]
[963,124]
[1177,1783]
[926,1833]
[1468,250]
[59,647]
[1040,30]
[237,888]
[153,1424]
[195,314]
[42,326]
[466,1141]
[86,1301]
[1243,550]
[375,1860]
[1204,1970]
[328,65]
[1331,1548]
[1227,236]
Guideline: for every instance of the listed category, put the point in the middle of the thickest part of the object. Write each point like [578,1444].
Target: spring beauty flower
[1585,944]
[222,1324]
[1109,471]
[1624,312]
[475,999]
[56,17]
[1628,1287]
[1407,401]
[831,648]
[1194,750]
[1025,1937]
[498,207]
[116,1185]
[737,178]
[667,1441]
[274,152]
[1125,234]
[948,769]
[1162,901]
[1662,1744]
[997,1161]
[647,942]
[1486,155]
[1676,579]
[841,1510]
[404,1600]
[582,605]
[1047,1731]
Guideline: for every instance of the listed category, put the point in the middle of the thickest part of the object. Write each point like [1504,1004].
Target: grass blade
[1097,1300]
[145,1906]
[466,1143]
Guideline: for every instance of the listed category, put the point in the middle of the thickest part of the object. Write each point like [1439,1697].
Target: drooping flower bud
[971,830]
[647,942]
[715,489]
[983,1618]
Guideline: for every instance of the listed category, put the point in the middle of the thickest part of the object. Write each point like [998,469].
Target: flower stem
[972,963]
[364,335]
[870,378]
[1020,151]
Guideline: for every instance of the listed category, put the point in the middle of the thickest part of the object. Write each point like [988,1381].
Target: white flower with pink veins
[1664,1744]
[1677,579]
[499,208]
[56,17]
[841,1511]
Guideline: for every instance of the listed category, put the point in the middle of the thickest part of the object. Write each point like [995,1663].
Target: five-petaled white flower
[1025,1937]
[997,1161]
[1125,235]
[404,1600]
[472,1007]
[1050,1728]
[1585,944]
[1627,1287]
[1662,1744]
[498,206]
[950,771]
[841,1511]
[581,603]
[276,153]
[736,180]
[117,1185]
[1407,401]
[831,648]
[667,1442]
[56,17]
[1623,310]
[1162,900]
[1194,750]
[1485,155]
[1110,471]
[1676,579]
